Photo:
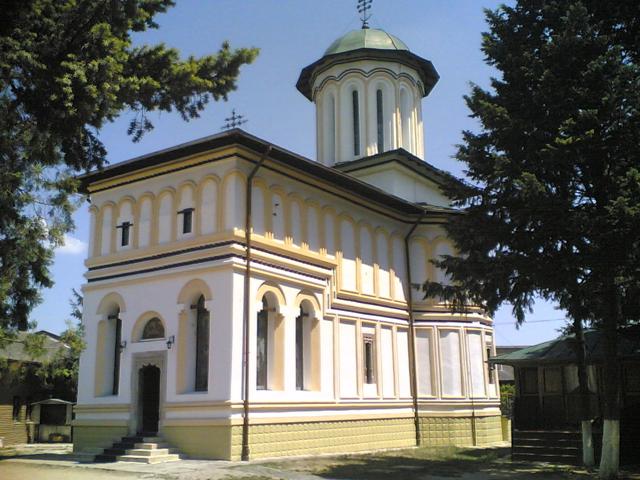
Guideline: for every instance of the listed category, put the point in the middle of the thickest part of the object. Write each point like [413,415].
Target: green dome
[366,38]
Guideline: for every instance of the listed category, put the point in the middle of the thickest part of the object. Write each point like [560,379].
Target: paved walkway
[56,463]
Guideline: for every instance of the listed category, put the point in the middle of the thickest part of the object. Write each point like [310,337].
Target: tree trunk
[588,459]
[610,458]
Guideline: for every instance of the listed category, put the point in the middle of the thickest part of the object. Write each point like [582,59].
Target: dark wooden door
[150,398]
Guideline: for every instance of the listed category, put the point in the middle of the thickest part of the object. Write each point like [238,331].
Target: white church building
[242,301]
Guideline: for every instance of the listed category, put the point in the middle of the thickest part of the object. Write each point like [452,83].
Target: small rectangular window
[369,359]
[126,226]
[17,406]
[187,220]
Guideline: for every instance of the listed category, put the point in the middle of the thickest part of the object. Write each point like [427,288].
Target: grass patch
[423,463]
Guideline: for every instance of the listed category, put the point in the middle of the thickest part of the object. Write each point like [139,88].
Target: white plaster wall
[423,356]
[403,183]
[144,225]
[451,357]
[348,364]
[386,352]
[367,261]
[476,365]
[107,225]
[402,346]
[208,214]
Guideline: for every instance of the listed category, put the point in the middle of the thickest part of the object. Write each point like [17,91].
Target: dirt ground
[408,464]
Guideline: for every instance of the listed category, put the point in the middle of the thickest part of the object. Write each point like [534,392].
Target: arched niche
[166,209]
[208,202]
[269,338]
[308,365]
[192,290]
[234,188]
[366,254]
[382,259]
[145,220]
[194,337]
[149,326]
[348,271]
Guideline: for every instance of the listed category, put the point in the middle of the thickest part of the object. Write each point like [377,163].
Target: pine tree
[552,202]
[66,69]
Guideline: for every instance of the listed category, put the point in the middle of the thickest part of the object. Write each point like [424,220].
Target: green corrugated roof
[366,38]
[561,350]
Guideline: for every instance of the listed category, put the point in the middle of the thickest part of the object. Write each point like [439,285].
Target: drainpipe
[245,325]
[412,333]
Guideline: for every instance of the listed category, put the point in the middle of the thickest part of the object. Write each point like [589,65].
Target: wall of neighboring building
[18,428]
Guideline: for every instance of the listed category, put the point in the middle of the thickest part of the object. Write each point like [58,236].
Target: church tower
[367,88]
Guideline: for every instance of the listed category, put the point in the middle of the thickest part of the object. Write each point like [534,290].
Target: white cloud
[72,246]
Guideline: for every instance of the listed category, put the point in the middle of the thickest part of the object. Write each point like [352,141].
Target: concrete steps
[562,447]
[139,449]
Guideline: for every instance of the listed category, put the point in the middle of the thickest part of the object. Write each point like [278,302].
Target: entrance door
[150,398]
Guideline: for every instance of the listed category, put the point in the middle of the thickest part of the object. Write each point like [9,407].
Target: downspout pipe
[412,332]
[245,324]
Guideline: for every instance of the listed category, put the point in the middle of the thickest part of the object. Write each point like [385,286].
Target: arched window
[202,346]
[380,120]
[300,349]
[356,122]
[307,348]
[115,327]
[262,346]
[153,329]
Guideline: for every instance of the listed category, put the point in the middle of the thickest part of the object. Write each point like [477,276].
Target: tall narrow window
[369,359]
[356,123]
[202,346]
[300,350]
[125,230]
[262,346]
[117,350]
[380,120]
[187,220]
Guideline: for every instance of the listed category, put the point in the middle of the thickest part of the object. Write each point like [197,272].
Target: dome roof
[367,44]
[366,38]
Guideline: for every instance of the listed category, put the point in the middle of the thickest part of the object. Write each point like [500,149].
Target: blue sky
[292,34]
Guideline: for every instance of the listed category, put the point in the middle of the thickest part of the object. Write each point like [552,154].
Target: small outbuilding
[547,396]
[52,420]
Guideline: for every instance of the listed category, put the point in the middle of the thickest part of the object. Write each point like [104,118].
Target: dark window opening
[187,220]
[116,354]
[300,350]
[490,368]
[262,346]
[356,123]
[125,233]
[202,346]
[53,414]
[17,406]
[369,359]
[379,113]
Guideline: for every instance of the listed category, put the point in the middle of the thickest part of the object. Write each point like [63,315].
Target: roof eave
[425,68]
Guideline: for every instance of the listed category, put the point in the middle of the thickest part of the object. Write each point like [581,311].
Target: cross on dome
[233,121]
[363,8]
